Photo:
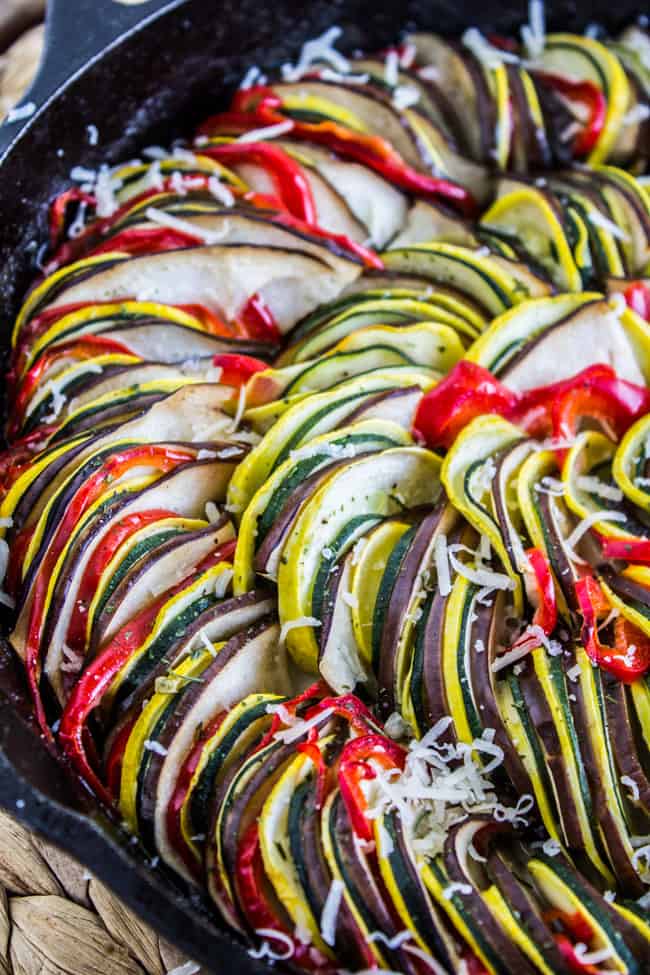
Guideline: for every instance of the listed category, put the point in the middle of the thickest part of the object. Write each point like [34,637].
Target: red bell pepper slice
[630,550]
[59,206]
[162,458]
[630,658]
[147,240]
[114,759]
[466,392]
[596,392]
[546,607]
[258,322]
[290,181]
[100,673]
[236,370]
[315,690]
[19,457]
[637,297]
[179,795]
[117,535]
[355,767]
[312,751]
[590,96]
[259,107]
[251,880]
[83,348]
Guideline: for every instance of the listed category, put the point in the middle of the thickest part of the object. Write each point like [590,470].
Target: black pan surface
[146,74]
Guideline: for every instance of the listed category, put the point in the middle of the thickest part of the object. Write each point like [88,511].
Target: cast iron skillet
[145,74]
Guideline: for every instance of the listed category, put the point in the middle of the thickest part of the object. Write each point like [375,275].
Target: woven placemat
[21,42]
[55,917]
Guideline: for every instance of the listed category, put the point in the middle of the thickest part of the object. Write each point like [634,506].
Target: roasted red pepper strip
[546,607]
[587,94]
[236,370]
[147,240]
[466,392]
[119,533]
[355,767]
[179,795]
[595,392]
[59,206]
[260,107]
[631,550]
[98,676]
[163,459]
[257,322]
[637,297]
[574,963]
[290,181]
[250,880]
[312,751]
[630,658]
[82,348]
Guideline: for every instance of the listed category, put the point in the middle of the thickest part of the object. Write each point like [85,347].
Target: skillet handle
[76,32]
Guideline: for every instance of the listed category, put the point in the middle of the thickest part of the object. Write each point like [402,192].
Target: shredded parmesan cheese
[585,525]
[268,132]
[184,226]
[485,52]
[318,49]
[154,746]
[20,113]
[266,951]
[293,624]
[330,911]
[599,219]
[593,485]
[629,782]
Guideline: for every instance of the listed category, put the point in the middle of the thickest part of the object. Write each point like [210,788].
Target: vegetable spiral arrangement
[326,505]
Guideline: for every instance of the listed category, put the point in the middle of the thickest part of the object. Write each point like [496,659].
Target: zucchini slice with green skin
[532,217]
[521,730]
[212,620]
[176,614]
[463,470]
[597,749]
[363,889]
[398,313]
[237,734]
[404,604]
[546,697]
[567,891]
[520,914]
[309,418]
[368,565]
[142,744]
[364,490]
[587,59]
[278,500]
[249,661]
[407,892]
[481,278]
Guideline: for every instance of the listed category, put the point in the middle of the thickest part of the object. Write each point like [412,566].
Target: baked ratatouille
[325,511]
